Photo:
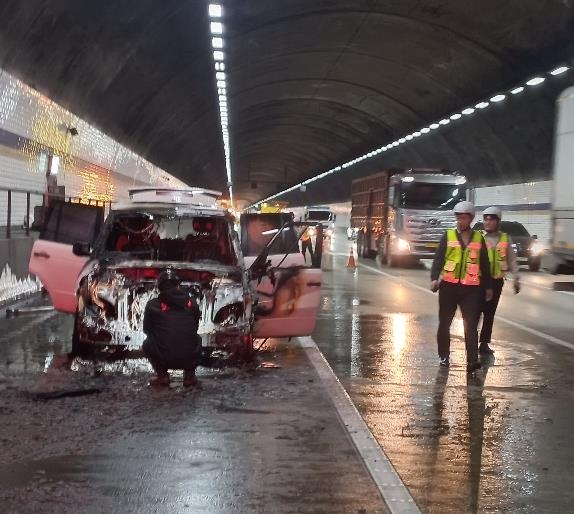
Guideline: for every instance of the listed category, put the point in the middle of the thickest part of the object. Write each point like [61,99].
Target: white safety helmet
[464,207]
[492,211]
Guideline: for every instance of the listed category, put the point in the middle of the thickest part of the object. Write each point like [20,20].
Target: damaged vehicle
[105,272]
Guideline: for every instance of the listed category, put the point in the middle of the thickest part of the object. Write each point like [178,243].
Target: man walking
[502,260]
[461,274]
[170,322]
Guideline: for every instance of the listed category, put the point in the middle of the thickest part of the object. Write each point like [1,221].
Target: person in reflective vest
[461,274]
[503,264]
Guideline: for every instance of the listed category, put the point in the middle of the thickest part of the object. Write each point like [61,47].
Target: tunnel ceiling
[311,83]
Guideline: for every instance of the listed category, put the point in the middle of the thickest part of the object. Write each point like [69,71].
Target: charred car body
[105,272]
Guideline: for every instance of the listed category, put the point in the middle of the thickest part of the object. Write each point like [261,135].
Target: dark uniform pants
[469,299]
[307,245]
[489,310]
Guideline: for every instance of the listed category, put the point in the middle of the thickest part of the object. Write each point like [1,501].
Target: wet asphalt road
[269,441]
[499,441]
[264,440]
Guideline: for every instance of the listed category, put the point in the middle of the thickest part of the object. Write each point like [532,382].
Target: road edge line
[392,489]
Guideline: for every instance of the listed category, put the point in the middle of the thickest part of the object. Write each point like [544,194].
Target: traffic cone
[351,261]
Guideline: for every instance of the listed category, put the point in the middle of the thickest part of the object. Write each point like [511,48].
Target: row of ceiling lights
[216,28]
[499,97]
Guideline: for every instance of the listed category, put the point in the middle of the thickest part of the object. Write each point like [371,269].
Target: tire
[534,264]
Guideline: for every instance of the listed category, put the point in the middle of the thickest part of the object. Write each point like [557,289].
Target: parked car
[105,272]
[528,249]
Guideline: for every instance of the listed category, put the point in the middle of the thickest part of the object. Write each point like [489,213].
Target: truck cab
[321,214]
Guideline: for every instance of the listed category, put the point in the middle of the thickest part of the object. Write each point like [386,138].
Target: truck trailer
[562,258]
[401,214]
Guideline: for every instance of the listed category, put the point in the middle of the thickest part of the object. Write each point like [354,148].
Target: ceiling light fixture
[559,70]
[535,81]
[216,27]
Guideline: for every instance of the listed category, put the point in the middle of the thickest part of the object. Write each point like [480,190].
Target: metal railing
[12,191]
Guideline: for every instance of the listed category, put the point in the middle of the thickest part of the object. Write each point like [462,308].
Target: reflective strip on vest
[462,266]
[498,256]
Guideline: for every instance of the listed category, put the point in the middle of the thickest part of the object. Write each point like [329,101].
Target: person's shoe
[160,381]
[444,362]
[485,349]
[471,367]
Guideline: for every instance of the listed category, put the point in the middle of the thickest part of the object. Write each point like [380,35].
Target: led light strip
[216,29]
[498,97]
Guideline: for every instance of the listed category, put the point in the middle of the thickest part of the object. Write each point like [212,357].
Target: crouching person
[170,324]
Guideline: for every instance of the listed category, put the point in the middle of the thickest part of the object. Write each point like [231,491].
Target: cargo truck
[401,214]
[562,258]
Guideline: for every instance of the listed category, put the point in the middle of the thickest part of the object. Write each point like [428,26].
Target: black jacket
[171,322]
[438,261]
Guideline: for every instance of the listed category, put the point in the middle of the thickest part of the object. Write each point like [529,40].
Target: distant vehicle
[563,184]
[321,214]
[105,272]
[400,215]
[528,249]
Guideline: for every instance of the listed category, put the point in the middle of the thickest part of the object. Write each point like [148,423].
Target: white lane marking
[525,328]
[394,492]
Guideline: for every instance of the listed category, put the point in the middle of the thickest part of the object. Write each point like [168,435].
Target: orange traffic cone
[351,261]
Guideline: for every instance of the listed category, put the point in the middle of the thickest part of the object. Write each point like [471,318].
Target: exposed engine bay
[112,301]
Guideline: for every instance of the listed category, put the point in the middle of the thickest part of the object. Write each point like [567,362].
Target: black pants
[307,245]
[161,362]
[469,299]
[489,310]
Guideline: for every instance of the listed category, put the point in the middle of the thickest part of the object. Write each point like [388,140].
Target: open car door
[52,259]
[286,284]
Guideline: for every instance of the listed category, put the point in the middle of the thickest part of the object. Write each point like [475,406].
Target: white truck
[562,258]
[321,214]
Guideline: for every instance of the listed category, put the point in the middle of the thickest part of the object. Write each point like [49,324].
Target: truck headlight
[311,231]
[536,248]
[402,245]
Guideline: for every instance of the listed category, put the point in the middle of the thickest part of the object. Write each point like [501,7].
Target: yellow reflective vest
[498,255]
[462,265]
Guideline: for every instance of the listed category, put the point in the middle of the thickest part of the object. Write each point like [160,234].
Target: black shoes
[485,349]
[471,367]
[444,362]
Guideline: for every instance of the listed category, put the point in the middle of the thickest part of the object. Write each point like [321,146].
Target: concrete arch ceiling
[312,83]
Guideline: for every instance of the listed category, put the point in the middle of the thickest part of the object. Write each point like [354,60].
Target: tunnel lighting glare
[221,83]
[460,181]
[219,66]
[499,97]
[216,27]
[535,81]
[215,10]
[217,42]
[220,75]
[408,179]
[559,70]
[218,55]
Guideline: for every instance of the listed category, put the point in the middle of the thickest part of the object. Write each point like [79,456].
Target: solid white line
[392,489]
[520,326]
